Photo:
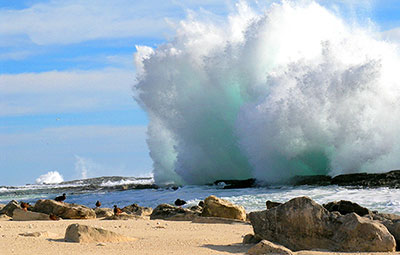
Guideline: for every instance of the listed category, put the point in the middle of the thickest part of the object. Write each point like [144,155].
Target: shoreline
[153,237]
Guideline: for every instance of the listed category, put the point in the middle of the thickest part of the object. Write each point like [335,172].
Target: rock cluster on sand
[64,210]
[170,212]
[216,207]
[85,234]
[137,210]
[302,224]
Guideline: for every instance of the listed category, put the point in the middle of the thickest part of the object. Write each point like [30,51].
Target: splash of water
[51,177]
[291,91]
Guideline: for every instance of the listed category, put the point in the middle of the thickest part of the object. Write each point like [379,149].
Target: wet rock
[302,224]
[137,210]
[64,210]
[170,212]
[216,207]
[22,215]
[85,234]
[10,207]
[267,247]
[270,204]
[346,207]
[236,184]
[251,239]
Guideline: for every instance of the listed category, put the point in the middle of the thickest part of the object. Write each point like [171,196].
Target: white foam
[51,177]
[294,90]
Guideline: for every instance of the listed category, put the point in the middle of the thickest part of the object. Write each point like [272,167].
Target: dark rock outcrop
[170,212]
[390,179]
[236,184]
[346,207]
[302,224]
[10,207]
[270,204]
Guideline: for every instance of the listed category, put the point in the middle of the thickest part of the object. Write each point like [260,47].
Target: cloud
[66,91]
[74,21]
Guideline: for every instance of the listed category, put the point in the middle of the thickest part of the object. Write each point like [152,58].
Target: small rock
[267,247]
[22,215]
[101,244]
[64,210]
[86,234]
[103,212]
[346,207]
[170,212]
[251,239]
[137,210]
[216,207]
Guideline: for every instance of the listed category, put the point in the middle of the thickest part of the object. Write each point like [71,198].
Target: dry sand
[154,237]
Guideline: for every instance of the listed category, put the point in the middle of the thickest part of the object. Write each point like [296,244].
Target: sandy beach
[153,237]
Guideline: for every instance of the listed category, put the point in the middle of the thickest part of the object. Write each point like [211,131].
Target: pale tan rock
[302,224]
[22,215]
[267,247]
[85,234]
[216,207]
[64,210]
[103,212]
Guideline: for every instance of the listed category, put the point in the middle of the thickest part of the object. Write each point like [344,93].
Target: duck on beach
[180,202]
[25,206]
[117,211]
[98,204]
[61,198]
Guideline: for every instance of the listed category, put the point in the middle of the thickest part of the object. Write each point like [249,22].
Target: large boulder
[267,247]
[137,210]
[64,210]
[346,207]
[217,207]
[10,207]
[302,224]
[170,212]
[85,234]
[391,222]
[103,212]
[22,215]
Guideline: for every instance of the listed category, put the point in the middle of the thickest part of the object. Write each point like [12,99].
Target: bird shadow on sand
[231,248]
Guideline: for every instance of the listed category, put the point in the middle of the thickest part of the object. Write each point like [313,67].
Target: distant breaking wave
[291,91]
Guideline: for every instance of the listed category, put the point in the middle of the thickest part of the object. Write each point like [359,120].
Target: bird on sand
[25,206]
[117,211]
[98,204]
[53,217]
[61,198]
[180,202]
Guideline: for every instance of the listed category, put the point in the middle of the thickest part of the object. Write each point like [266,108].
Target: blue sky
[66,77]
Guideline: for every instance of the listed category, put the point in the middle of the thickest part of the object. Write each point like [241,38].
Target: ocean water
[253,199]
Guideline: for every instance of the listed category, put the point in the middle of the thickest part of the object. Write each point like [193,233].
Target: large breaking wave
[294,90]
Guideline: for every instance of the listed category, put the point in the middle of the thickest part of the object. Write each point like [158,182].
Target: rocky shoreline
[282,228]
